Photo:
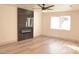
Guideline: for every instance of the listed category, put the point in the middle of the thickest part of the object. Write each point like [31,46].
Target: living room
[52,25]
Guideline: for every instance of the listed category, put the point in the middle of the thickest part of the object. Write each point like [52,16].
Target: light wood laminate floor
[41,45]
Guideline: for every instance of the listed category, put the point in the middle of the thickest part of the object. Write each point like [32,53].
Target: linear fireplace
[25,24]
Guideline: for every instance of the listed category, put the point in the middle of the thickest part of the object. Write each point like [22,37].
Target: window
[62,22]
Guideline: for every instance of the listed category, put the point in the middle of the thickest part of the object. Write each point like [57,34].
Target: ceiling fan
[44,7]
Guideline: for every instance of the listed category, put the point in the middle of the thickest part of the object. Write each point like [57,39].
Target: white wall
[73,34]
[37,22]
[8,24]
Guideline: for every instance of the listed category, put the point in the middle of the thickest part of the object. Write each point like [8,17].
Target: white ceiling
[56,8]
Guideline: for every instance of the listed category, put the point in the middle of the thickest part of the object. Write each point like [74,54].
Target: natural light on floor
[56,47]
[76,48]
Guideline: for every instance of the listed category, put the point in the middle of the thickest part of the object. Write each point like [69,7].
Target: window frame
[60,28]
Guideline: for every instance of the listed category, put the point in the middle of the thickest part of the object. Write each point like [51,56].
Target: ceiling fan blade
[39,5]
[49,9]
[49,6]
